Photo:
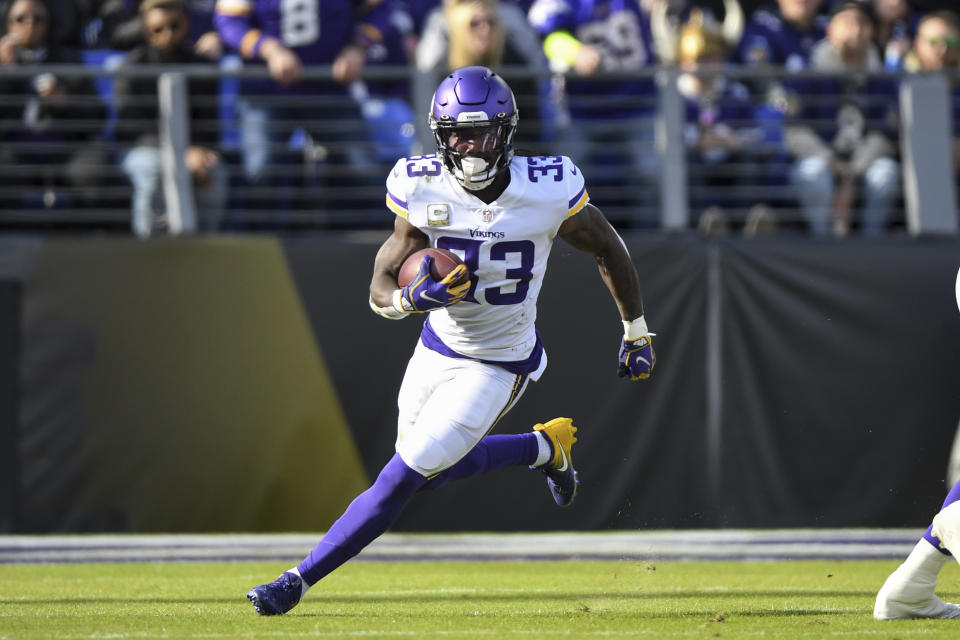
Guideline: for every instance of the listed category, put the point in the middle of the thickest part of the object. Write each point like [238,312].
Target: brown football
[443,263]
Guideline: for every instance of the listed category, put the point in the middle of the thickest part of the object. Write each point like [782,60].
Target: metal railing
[323,158]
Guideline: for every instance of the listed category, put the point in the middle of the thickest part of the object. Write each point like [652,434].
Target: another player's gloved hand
[637,358]
[425,294]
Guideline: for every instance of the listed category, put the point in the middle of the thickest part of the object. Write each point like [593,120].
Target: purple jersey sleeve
[316,30]
[236,22]
[548,16]
[620,31]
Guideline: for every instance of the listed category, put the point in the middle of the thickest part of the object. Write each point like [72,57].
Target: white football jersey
[504,244]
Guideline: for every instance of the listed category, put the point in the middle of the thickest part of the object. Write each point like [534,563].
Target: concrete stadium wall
[242,384]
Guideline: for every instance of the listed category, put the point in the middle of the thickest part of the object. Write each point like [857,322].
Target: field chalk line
[662,545]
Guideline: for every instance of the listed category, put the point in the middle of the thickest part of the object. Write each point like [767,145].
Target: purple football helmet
[473,119]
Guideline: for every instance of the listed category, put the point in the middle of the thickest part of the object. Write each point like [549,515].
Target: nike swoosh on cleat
[564,456]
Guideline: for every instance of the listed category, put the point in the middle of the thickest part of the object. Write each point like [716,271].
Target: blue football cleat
[562,478]
[278,597]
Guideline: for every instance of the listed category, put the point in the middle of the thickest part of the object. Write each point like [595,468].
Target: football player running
[909,591]
[479,347]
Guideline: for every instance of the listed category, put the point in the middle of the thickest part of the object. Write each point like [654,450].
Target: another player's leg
[368,516]
[909,591]
[946,528]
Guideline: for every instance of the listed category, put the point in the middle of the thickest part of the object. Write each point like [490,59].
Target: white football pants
[447,405]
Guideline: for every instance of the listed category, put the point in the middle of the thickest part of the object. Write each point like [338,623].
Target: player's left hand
[637,358]
[426,294]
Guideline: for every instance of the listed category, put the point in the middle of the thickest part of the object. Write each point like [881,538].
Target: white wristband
[400,304]
[633,329]
[387,312]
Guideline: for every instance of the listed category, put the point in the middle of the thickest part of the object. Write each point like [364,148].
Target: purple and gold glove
[637,358]
[426,294]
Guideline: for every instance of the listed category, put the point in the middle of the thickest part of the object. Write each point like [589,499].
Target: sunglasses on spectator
[476,23]
[173,25]
[950,42]
[36,18]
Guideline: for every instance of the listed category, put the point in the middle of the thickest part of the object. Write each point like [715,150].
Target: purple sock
[952,497]
[368,516]
[493,452]
[376,509]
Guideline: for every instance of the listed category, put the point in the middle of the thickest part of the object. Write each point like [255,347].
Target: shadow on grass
[593,595]
[698,614]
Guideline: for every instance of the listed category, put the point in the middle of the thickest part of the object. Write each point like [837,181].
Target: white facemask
[475,173]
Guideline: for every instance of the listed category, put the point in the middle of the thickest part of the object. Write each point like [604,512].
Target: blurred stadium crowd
[785,115]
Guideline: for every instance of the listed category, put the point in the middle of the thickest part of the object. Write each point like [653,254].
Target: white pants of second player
[447,405]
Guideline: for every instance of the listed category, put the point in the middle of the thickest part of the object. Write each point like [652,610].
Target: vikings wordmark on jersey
[505,245]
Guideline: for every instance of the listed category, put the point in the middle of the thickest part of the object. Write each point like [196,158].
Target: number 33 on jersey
[504,244]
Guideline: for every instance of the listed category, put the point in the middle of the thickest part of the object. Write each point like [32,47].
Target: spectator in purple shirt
[610,120]
[720,130]
[286,37]
[782,35]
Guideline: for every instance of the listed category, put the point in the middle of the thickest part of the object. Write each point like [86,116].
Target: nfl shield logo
[486,215]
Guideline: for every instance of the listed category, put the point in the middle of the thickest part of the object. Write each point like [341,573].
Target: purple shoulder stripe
[397,200]
[575,199]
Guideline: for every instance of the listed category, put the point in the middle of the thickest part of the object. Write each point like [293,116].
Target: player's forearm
[386,266]
[381,289]
[589,231]
[385,296]
[384,281]
[621,278]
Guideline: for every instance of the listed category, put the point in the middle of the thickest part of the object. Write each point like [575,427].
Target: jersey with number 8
[504,244]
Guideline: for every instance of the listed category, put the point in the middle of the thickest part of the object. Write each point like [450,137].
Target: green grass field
[806,599]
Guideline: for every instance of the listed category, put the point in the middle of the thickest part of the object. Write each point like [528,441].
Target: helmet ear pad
[472,98]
